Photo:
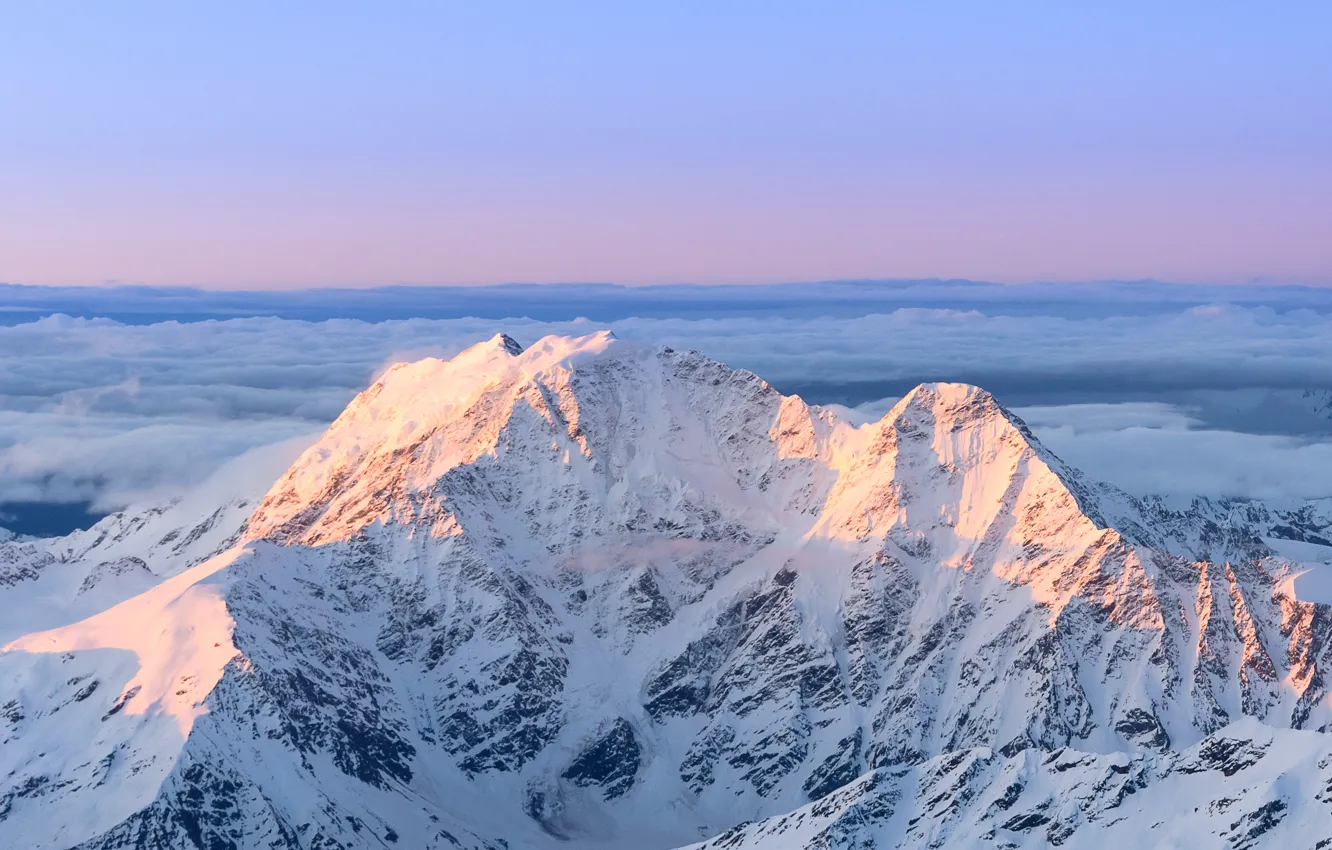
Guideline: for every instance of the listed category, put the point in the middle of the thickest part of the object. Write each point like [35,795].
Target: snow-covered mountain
[597,595]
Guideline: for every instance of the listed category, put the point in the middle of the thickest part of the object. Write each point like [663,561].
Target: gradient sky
[266,145]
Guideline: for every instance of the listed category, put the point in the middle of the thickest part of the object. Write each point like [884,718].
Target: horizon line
[1262,281]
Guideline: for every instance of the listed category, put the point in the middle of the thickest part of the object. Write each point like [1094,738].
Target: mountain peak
[508,343]
[952,407]
[420,420]
[953,401]
[609,422]
[500,345]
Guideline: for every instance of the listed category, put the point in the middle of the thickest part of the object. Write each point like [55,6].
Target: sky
[283,145]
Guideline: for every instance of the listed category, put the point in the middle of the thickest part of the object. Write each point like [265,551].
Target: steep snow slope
[145,666]
[54,581]
[626,597]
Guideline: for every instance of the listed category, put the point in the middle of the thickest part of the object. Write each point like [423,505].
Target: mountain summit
[593,594]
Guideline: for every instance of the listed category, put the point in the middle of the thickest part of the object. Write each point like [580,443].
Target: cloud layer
[1157,448]
[114,413]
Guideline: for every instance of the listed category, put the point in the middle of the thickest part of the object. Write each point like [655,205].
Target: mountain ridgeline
[591,594]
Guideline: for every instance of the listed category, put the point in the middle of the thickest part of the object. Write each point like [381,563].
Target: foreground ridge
[594,594]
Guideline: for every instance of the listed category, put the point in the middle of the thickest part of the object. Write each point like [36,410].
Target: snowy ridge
[594,594]
[48,582]
[1235,789]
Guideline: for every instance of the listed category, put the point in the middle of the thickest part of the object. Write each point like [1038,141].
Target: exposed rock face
[590,594]
[1222,792]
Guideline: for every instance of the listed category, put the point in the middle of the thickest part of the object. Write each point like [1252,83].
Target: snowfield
[591,594]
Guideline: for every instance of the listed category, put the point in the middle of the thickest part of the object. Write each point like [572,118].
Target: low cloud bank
[1157,448]
[97,410]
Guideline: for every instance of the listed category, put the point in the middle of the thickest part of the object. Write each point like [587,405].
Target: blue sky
[251,145]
